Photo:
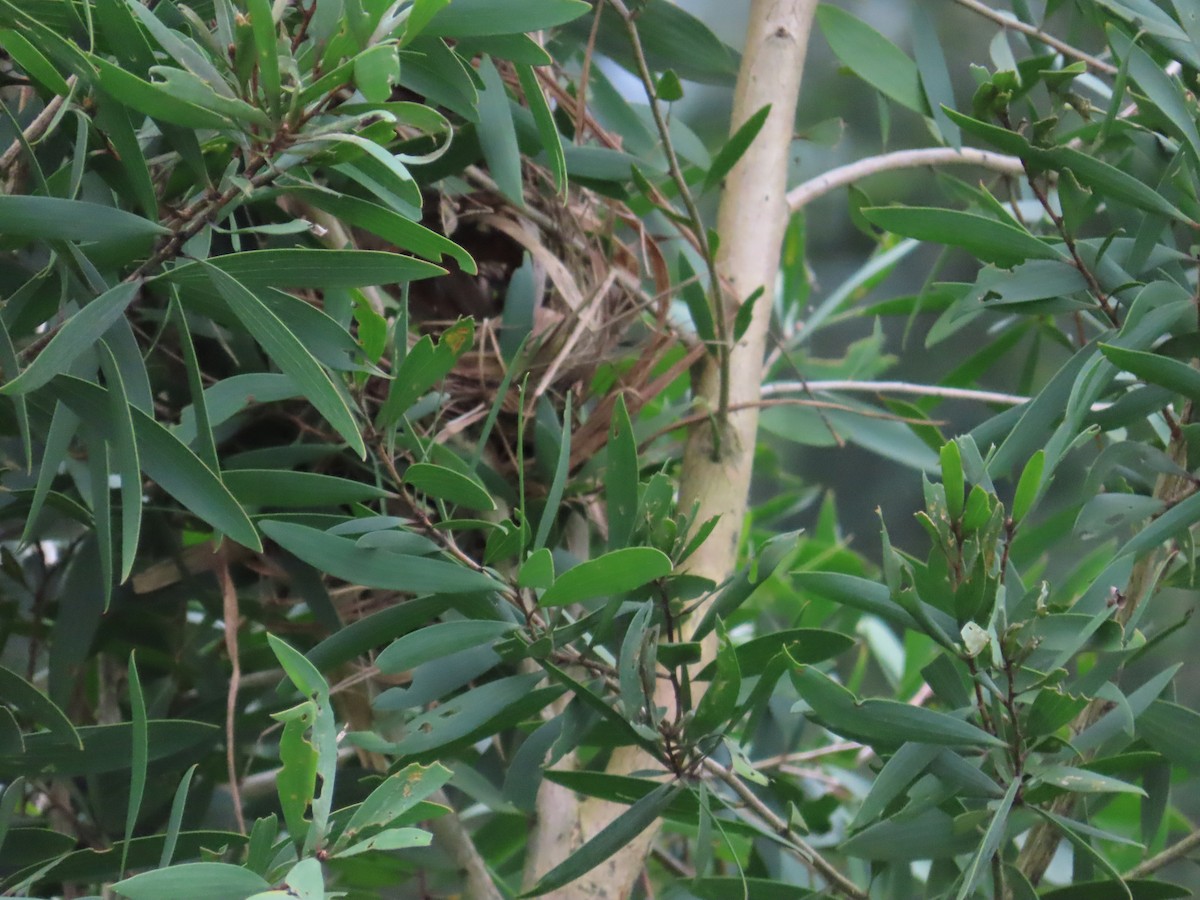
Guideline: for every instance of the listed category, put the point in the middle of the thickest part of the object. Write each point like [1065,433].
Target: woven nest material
[589,306]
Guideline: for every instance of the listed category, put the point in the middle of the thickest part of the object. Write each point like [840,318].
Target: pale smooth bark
[716,473]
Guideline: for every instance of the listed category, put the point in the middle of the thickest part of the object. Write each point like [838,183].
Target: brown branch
[803,850]
[1029,30]
[232,618]
[1175,852]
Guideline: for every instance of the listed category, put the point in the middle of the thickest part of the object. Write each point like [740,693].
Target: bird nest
[562,278]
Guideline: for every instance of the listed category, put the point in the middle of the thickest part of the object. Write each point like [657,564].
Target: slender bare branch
[1007,20]
[803,194]
[1174,853]
[892,387]
[809,854]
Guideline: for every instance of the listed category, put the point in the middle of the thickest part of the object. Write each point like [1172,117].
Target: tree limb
[803,194]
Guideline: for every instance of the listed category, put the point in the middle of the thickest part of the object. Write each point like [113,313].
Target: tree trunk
[716,472]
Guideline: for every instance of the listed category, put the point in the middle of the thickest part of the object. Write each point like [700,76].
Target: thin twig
[893,387]
[805,851]
[1172,854]
[689,203]
[232,618]
[36,128]
[1009,21]
[803,194]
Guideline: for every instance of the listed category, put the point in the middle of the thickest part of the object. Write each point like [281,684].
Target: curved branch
[893,387]
[1008,21]
[801,195]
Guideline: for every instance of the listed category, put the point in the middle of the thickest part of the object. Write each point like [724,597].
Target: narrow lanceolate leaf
[737,145]
[290,354]
[77,334]
[198,881]
[497,133]
[1156,369]
[621,478]
[425,365]
[396,795]
[981,861]
[126,462]
[302,267]
[613,573]
[55,219]
[544,120]
[988,239]
[617,834]
[343,558]
[439,640]
[32,702]
[449,485]
[283,488]
[872,57]
[480,18]
[387,224]
[886,722]
[140,756]
[170,463]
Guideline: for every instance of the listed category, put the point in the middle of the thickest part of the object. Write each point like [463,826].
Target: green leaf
[78,334]
[480,709]
[930,834]
[171,835]
[1162,90]
[175,468]
[449,485]
[28,699]
[987,239]
[884,721]
[390,839]
[342,558]
[282,488]
[613,837]
[1029,487]
[375,72]
[621,477]
[303,268]
[385,223]
[1138,889]
[128,463]
[439,640]
[197,881]
[154,100]
[480,18]
[289,353]
[1083,781]
[266,38]
[103,748]
[735,148]
[1156,369]
[872,57]
[424,366]
[302,673]
[497,133]
[1172,730]
[137,769]
[720,700]
[952,479]
[804,645]
[982,858]
[544,120]
[29,58]
[538,570]
[55,219]
[612,573]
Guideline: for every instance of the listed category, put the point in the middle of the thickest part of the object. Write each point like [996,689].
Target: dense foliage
[346,352]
